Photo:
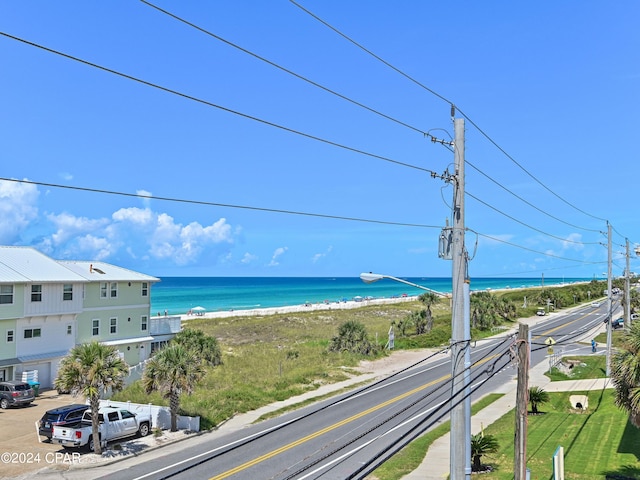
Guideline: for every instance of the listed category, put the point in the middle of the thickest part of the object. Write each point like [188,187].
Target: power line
[526,201]
[452,104]
[220,107]
[546,254]
[290,72]
[526,224]
[286,70]
[225,205]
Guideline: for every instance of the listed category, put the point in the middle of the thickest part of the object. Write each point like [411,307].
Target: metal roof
[27,265]
[104,272]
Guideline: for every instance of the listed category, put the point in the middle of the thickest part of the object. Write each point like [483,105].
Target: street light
[461,431]
[374,277]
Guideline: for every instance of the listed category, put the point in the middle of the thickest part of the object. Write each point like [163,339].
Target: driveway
[22,450]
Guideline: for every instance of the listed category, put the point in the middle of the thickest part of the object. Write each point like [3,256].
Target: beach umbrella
[198,310]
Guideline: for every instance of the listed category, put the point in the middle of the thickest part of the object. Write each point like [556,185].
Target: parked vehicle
[15,393]
[541,312]
[618,323]
[67,415]
[115,423]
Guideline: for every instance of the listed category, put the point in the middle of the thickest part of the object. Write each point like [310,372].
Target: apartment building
[48,306]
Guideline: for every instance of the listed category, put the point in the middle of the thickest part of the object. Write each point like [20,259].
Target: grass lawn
[590,366]
[408,459]
[597,443]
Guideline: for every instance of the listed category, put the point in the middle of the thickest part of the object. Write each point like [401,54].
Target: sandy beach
[310,307]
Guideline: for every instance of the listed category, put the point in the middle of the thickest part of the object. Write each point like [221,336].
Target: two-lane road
[341,437]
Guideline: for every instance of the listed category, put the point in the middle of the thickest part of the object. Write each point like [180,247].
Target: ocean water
[178,295]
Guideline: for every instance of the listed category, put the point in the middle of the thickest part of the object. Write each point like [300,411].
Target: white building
[47,307]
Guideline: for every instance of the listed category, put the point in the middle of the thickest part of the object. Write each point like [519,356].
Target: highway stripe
[314,435]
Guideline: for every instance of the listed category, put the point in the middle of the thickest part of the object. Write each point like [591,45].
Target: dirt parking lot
[22,450]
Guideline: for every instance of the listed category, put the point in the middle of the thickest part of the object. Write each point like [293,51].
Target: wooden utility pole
[522,404]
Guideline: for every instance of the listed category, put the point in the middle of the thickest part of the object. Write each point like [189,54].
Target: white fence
[160,416]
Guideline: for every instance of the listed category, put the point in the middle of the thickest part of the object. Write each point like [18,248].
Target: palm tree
[419,319]
[429,299]
[90,369]
[481,445]
[625,373]
[537,396]
[482,315]
[352,337]
[205,347]
[172,371]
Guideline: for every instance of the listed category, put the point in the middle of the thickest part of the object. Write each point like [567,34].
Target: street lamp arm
[374,277]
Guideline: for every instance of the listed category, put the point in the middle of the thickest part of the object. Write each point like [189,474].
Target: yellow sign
[550,341]
[550,350]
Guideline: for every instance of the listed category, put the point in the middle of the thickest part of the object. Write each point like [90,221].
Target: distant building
[48,306]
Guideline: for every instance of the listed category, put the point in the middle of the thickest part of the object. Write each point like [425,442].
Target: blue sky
[549,91]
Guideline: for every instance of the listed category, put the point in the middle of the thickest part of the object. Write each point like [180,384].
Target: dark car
[618,323]
[60,416]
[14,393]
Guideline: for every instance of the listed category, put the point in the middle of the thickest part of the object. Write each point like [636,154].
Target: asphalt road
[339,438]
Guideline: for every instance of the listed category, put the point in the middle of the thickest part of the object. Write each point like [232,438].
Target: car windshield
[50,417]
[22,386]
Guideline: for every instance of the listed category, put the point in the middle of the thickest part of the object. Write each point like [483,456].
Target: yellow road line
[302,440]
[547,332]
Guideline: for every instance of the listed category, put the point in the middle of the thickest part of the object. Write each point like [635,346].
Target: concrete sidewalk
[435,465]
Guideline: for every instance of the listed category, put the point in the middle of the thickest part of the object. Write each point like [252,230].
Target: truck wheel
[4,404]
[143,431]
[90,444]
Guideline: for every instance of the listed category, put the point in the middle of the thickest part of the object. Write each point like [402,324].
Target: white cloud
[319,256]
[248,258]
[18,208]
[128,234]
[146,201]
[573,242]
[277,254]
[69,226]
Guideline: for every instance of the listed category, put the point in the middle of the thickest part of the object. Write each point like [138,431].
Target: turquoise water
[177,295]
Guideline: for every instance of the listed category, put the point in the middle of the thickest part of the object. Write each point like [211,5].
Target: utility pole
[460,448]
[609,302]
[522,403]
[627,290]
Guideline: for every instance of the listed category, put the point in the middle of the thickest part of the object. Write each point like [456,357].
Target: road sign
[550,341]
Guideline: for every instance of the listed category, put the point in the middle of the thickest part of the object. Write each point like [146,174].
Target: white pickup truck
[115,423]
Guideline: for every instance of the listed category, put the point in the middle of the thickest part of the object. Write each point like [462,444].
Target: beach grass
[269,358]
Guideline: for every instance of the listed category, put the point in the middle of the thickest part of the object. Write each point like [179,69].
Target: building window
[36,293]
[6,294]
[145,289]
[32,333]
[10,336]
[95,327]
[114,290]
[69,330]
[67,291]
[113,325]
[144,320]
[103,289]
